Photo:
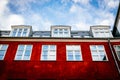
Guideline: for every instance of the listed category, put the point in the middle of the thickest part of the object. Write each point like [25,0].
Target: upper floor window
[101,31]
[19,32]
[61,31]
[3,49]
[73,53]
[117,50]
[23,52]
[98,53]
[48,52]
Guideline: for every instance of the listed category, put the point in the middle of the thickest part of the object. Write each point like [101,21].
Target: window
[14,32]
[61,32]
[25,32]
[48,52]
[3,49]
[23,52]
[55,31]
[102,33]
[117,50]
[19,32]
[98,53]
[73,53]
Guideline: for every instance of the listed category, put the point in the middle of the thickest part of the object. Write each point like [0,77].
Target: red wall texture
[59,69]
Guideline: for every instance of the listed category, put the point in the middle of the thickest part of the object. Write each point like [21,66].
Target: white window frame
[116,51]
[102,33]
[3,50]
[49,53]
[23,54]
[61,32]
[21,35]
[73,49]
[98,52]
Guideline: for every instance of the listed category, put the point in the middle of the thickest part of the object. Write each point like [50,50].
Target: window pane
[101,52]
[77,57]
[26,58]
[21,47]
[25,30]
[60,30]
[95,57]
[28,47]
[14,33]
[52,47]
[1,57]
[65,32]
[19,34]
[94,53]
[118,53]
[18,58]
[45,52]
[100,47]
[93,47]
[70,57]
[103,57]
[24,33]
[77,52]
[27,53]
[118,47]
[45,47]
[2,52]
[55,30]
[70,52]
[4,47]
[44,57]
[19,53]
[52,57]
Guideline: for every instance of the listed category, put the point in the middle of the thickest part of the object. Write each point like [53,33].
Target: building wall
[59,69]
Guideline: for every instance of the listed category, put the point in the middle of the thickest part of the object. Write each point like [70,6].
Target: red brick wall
[59,69]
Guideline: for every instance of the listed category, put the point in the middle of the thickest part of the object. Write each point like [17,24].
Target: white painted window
[73,53]
[23,52]
[117,50]
[105,32]
[61,32]
[98,53]
[48,53]
[3,49]
[20,32]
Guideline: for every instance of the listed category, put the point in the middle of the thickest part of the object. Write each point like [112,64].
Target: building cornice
[36,39]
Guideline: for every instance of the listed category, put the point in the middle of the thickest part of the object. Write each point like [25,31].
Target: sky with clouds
[41,14]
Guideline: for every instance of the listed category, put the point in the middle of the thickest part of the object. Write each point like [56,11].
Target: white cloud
[3,6]
[7,18]
[111,3]
[80,26]
[79,16]
[81,1]
[37,22]
[73,8]
[89,15]
[14,19]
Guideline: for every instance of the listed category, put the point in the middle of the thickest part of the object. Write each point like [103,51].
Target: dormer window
[60,31]
[21,31]
[101,31]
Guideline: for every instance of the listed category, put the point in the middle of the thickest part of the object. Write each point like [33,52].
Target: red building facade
[61,68]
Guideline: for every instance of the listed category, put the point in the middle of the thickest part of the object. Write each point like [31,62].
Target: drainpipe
[114,56]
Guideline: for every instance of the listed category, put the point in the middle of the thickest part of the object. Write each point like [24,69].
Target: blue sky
[41,14]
